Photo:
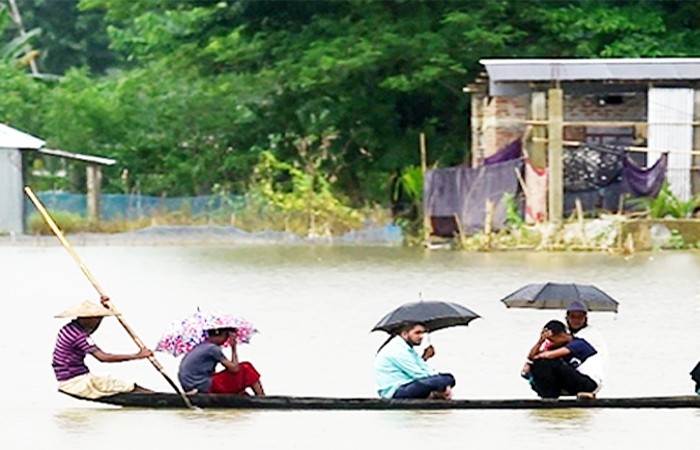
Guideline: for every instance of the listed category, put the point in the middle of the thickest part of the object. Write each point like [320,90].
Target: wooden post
[424,170]
[555,110]
[488,224]
[94,188]
[477,118]
[694,173]
[538,109]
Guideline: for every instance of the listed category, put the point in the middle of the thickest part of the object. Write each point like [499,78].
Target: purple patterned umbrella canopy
[185,334]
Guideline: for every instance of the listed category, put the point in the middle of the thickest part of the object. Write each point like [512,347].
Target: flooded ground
[315,307]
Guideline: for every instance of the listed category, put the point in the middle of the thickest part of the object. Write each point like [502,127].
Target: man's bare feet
[141,390]
[445,395]
[585,396]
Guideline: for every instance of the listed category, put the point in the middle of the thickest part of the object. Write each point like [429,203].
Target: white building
[13,146]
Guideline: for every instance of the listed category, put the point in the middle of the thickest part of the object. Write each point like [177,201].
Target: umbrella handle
[59,234]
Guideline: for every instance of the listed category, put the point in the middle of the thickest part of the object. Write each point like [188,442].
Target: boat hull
[224,401]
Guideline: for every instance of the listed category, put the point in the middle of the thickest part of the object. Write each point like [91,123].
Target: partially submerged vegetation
[281,197]
[665,221]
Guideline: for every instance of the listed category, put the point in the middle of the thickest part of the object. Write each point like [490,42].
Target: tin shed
[13,145]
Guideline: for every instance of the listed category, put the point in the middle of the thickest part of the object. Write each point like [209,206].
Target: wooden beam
[694,175]
[538,110]
[607,123]
[94,188]
[477,116]
[555,133]
[424,170]
[629,148]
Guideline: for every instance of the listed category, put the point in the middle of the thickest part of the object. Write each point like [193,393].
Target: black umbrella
[560,296]
[435,315]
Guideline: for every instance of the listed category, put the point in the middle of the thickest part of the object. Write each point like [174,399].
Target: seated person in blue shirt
[569,365]
[401,373]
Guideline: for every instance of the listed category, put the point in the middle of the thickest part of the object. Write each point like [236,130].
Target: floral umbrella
[185,334]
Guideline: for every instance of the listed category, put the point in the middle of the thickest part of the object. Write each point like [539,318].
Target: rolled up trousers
[422,387]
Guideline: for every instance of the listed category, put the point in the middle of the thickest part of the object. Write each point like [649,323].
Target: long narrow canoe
[207,401]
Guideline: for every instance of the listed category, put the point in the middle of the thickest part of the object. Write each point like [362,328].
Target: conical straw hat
[86,309]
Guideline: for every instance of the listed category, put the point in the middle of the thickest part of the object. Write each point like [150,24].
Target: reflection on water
[81,421]
[562,419]
[315,307]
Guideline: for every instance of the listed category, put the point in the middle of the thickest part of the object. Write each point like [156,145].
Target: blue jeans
[422,387]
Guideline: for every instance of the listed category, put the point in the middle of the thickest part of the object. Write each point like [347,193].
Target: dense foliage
[192,95]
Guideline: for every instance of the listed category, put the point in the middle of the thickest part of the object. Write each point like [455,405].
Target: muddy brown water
[315,307]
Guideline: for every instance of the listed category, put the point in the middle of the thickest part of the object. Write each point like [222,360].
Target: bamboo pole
[17,18]
[581,223]
[606,123]
[631,148]
[694,176]
[488,223]
[108,304]
[538,109]
[424,170]
[555,112]
[94,188]
[460,232]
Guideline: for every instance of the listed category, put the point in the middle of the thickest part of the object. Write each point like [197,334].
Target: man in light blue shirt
[401,373]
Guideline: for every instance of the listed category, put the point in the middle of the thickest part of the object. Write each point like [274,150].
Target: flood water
[314,307]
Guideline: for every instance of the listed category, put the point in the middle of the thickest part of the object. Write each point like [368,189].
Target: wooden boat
[208,401]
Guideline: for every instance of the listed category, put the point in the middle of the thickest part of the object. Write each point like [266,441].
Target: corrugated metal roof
[78,157]
[613,69]
[15,139]
[12,138]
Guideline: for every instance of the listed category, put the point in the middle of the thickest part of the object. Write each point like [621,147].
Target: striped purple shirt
[72,345]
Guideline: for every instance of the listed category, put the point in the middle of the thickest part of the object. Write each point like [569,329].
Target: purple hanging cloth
[511,151]
[644,182]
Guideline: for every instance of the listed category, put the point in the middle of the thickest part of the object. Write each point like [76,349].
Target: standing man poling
[401,373]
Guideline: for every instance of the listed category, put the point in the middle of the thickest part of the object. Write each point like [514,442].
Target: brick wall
[497,121]
[501,120]
[587,107]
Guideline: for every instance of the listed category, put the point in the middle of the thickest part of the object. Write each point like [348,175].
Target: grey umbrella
[560,296]
[435,315]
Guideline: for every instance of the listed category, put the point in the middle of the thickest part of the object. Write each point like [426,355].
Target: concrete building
[650,105]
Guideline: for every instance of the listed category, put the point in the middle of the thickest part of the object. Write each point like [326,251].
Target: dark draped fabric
[601,177]
[591,167]
[607,198]
[463,192]
[644,182]
[511,151]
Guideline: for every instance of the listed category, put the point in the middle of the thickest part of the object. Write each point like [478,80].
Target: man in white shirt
[577,322]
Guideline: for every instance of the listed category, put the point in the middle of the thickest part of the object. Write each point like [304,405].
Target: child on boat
[197,368]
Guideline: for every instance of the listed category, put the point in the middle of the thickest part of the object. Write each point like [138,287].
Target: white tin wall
[11,196]
[670,117]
